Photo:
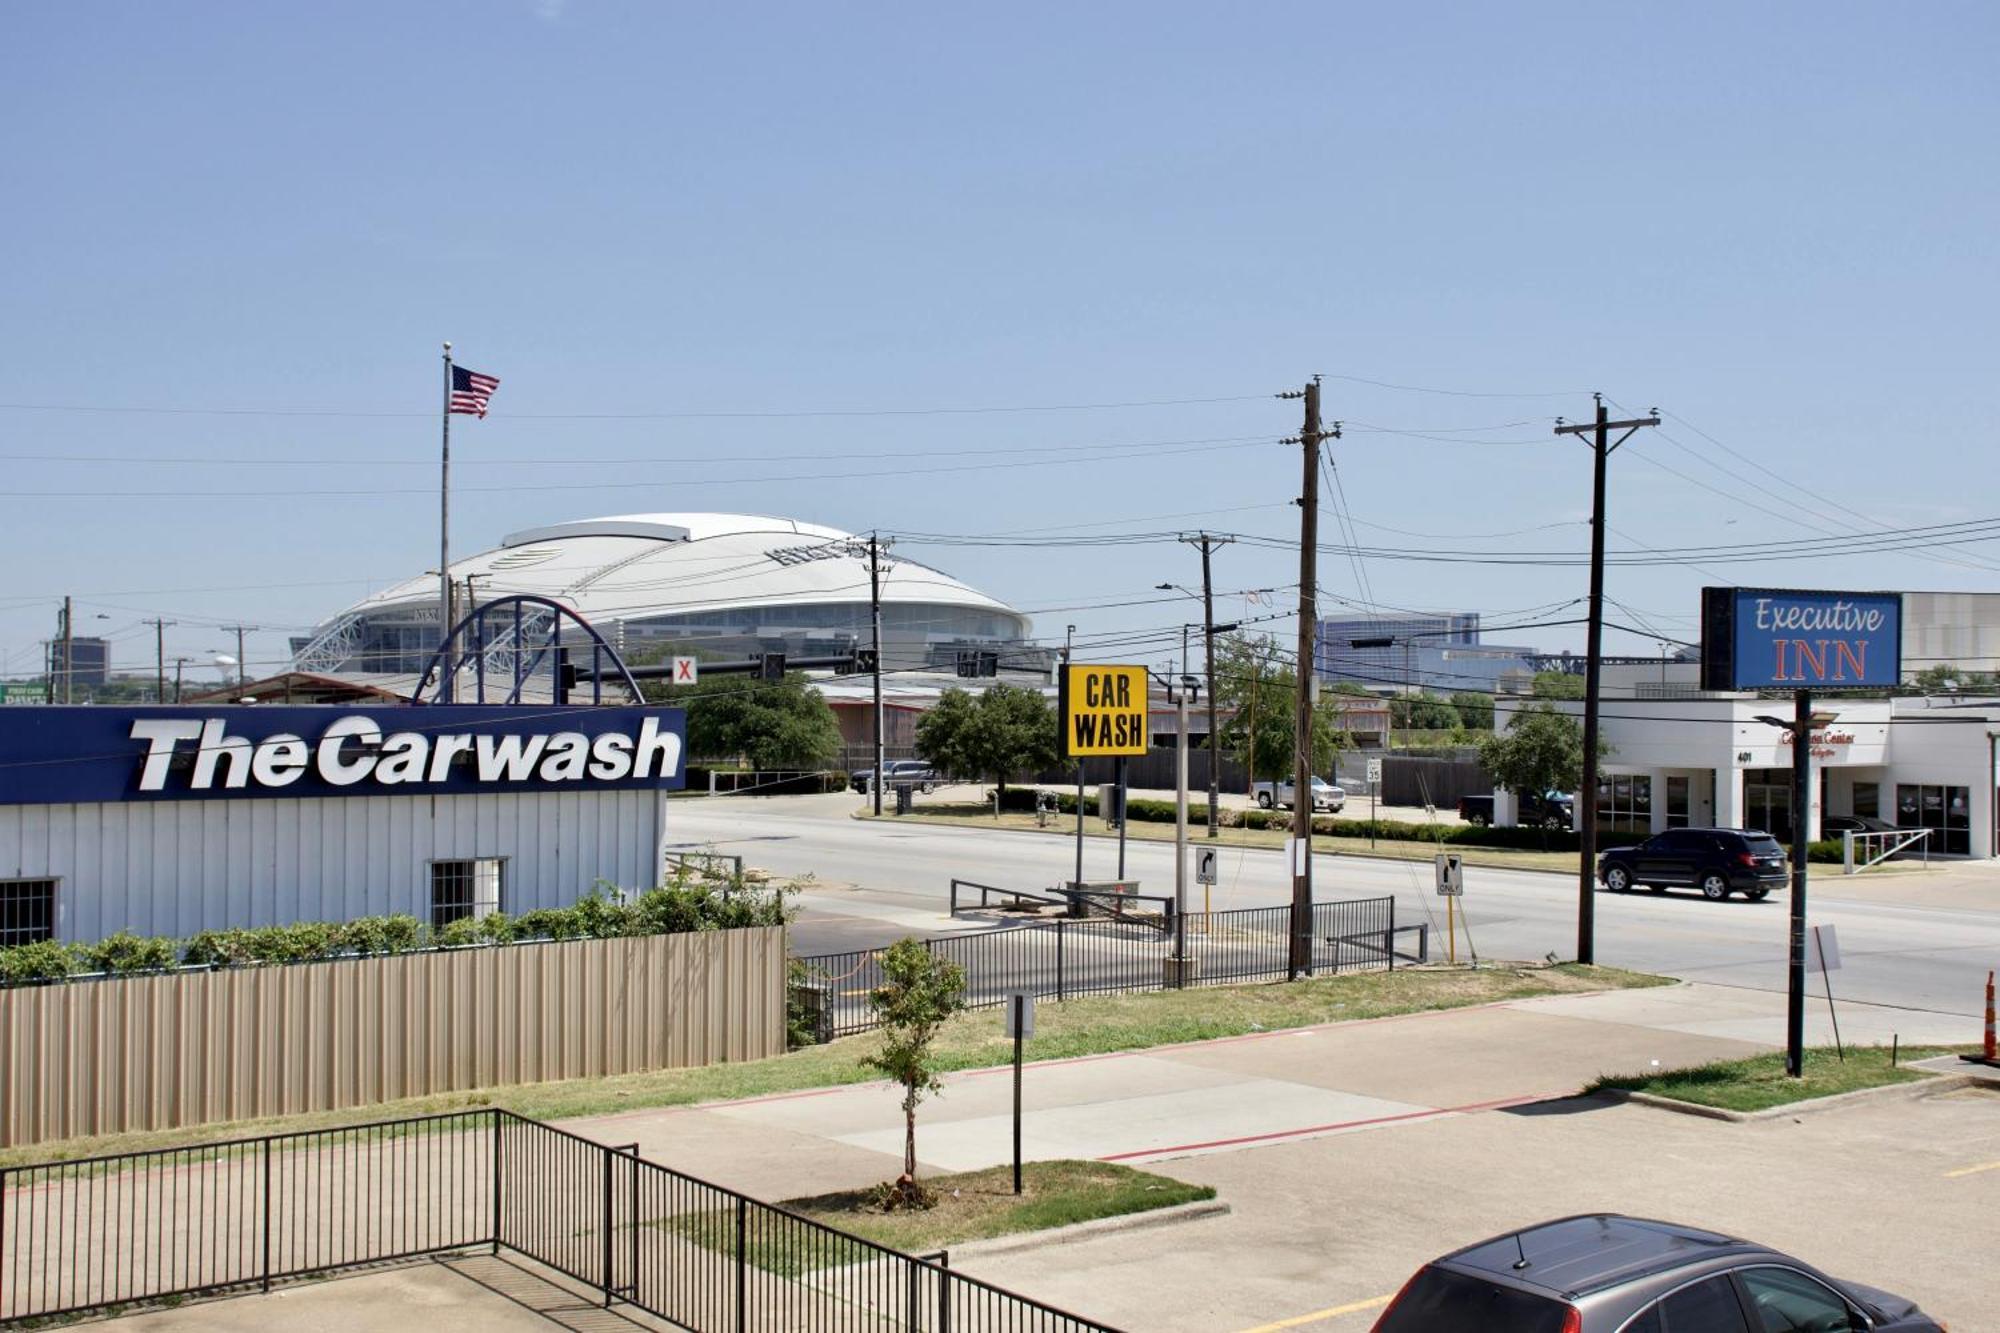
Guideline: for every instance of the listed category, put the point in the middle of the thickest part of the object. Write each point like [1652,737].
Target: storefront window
[1677,802]
[1625,804]
[1946,811]
[1868,800]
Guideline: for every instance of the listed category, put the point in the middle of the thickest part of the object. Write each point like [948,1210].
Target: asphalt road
[1919,957]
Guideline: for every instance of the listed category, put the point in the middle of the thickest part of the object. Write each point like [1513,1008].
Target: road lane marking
[1972,1170]
[1331,1312]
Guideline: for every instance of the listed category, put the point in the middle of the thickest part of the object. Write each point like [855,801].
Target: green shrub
[462,931]
[400,933]
[126,953]
[801,1013]
[44,960]
[217,948]
[1831,851]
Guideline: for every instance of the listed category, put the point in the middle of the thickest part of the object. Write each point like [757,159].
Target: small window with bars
[27,911]
[462,889]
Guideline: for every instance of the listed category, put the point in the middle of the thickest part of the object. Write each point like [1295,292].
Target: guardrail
[709,865]
[1097,956]
[1016,897]
[216,1218]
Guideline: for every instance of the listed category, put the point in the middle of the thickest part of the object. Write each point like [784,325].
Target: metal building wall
[177,867]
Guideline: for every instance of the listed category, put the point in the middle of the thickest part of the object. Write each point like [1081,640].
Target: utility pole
[69,647]
[242,673]
[160,656]
[1208,545]
[1069,639]
[1309,438]
[1602,447]
[875,639]
[179,663]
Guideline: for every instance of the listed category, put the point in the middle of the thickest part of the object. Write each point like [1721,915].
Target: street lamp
[1800,728]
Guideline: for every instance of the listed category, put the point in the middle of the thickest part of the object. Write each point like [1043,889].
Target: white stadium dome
[725,585]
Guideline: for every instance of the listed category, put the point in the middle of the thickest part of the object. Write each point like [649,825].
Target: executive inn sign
[170,820]
[1789,639]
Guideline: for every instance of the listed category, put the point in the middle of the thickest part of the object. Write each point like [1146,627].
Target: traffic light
[772,667]
[864,661]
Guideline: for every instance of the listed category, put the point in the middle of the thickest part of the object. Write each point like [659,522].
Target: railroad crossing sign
[1450,875]
[687,670]
[1204,866]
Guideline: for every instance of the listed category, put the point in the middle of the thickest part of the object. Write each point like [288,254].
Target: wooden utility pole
[69,647]
[875,641]
[1208,545]
[1602,448]
[242,667]
[1310,436]
[160,656]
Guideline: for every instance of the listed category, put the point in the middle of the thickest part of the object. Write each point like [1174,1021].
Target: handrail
[1849,837]
[986,890]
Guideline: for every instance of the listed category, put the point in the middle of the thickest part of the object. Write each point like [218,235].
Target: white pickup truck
[1325,796]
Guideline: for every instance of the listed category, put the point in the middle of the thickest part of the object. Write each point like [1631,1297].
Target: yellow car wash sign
[1103,710]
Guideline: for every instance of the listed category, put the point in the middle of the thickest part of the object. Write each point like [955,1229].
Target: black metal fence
[239,1215]
[1059,959]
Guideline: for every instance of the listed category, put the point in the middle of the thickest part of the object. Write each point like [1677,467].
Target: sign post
[1800,639]
[1020,1026]
[1374,782]
[1104,712]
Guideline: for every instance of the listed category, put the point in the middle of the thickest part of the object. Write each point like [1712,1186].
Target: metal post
[1059,961]
[608,1276]
[497,1150]
[1180,830]
[1079,821]
[1795,994]
[742,1263]
[445,537]
[267,1213]
[875,621]
[1124,800]
[1020,1003]
[1826,976]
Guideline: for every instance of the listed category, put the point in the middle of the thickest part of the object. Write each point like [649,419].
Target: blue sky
[1775,222]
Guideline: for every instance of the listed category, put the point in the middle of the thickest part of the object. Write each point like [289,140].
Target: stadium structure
[718,586]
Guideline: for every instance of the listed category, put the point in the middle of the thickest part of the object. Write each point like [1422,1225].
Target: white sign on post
[1450,875]
[687,670]
[1021,1003]
[1374,773]
[1301,854]
[1204,866]
[1824,956]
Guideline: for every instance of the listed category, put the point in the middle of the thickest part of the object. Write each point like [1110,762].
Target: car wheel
[1758,895]
[1715,886]
[1264,800]
[1618,879]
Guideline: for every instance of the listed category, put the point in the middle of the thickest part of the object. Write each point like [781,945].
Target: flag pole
[446,665]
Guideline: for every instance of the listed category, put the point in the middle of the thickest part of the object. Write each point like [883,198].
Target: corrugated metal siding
[161,1052]
[177,867]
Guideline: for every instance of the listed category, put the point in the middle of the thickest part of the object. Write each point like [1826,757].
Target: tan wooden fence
[161,1052]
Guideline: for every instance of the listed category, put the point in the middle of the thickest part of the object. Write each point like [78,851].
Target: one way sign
[687,670]
[1204,866]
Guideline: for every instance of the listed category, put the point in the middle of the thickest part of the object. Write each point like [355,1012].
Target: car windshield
[1440,1299]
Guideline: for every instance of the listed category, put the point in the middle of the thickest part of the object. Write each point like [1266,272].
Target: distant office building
[1397,654]
[85,661]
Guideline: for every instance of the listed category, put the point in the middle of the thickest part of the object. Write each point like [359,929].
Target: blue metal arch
[468,641]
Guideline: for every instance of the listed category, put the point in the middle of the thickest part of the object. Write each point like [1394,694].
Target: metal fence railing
[239,1215]
[1062,958]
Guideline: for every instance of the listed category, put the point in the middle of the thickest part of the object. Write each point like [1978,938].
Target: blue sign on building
[1793,639]
[58,755]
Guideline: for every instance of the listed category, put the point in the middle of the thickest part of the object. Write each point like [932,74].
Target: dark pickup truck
[1551,811]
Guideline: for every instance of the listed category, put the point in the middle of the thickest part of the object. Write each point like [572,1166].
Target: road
[886,879]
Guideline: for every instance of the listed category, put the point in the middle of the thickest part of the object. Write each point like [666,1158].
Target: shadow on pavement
[1574,1105]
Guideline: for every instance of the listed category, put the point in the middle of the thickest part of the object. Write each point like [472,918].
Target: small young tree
[1541,751]
[920,991]
[997,734]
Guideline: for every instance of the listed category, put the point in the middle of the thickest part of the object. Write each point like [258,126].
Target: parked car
[1325,796]
[1832,826]
[1548,811]
[1718,861]
[913,771]
[1605,1273]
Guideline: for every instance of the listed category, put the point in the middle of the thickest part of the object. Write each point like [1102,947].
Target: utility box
[905,797]
[1111,804]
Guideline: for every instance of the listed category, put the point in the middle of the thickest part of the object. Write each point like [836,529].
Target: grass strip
[1759,1082]
[1388,849]
[971,1205]
[1091,1026]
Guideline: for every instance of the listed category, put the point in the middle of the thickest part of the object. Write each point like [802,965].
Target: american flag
[470,391]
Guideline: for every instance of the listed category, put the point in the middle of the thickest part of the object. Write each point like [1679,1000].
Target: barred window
[461,889]
[27,911]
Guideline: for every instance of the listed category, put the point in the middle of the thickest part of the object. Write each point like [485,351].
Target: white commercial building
[1706,761]
[169,821]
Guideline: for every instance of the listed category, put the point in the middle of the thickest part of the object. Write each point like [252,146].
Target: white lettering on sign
[353,750]
[1838,617]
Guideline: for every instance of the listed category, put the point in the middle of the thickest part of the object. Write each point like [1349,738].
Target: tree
[771,725]
[1422,712]
[996,734]
[1541,751]
[1475,711]
[1947,679]
[1260,690]
[1557,685]
[920,991]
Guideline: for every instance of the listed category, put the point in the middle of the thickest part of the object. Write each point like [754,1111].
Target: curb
[1888,1092]
[1102,1226]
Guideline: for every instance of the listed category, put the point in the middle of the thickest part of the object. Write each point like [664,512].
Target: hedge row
[606,913]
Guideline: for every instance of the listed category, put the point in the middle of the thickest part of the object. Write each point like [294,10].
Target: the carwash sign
[90,754]
[1103,710]
[1792,639]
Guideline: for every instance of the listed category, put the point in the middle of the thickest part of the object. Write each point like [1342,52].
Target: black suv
[1611,1274]
[1718,861]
